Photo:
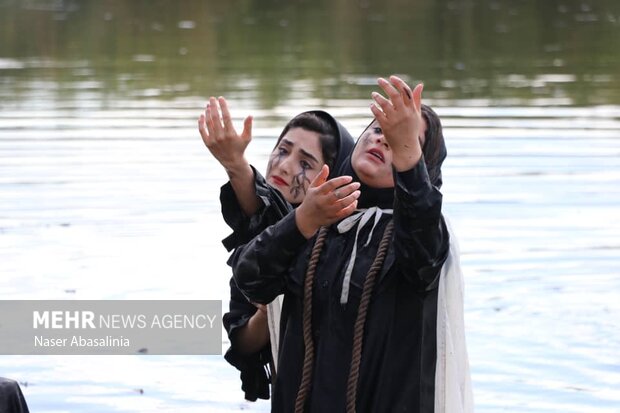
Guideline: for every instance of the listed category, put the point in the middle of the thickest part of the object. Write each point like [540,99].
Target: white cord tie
[359,218]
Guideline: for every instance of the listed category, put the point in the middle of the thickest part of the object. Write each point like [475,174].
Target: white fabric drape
[274,309]
[453,389]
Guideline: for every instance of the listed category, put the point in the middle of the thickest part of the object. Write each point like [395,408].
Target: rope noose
[358,330]
[306,375]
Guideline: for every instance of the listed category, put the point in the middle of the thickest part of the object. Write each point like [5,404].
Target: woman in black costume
[359,319]
[250,203]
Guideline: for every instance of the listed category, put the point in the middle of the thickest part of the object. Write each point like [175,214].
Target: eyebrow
[303,152]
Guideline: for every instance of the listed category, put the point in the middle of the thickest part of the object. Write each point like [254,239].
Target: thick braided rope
[306,375]
[358,330]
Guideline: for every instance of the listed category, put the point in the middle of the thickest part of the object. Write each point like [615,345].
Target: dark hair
[311,121]
[434,148]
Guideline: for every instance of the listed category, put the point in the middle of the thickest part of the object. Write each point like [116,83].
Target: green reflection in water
[505,52]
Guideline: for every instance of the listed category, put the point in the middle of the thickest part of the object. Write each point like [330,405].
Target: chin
[373,176]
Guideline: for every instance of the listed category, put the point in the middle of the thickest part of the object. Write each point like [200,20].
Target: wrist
[237,168]
[304,223]
[406,161]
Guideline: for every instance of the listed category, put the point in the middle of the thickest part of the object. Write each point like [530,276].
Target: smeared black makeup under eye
[372,131]
[300,182]
[276,159]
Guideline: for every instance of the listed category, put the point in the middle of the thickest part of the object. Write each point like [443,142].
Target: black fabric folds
[397,368]
[11,397]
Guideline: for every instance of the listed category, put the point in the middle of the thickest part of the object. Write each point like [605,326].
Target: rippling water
[122,202]
[107,192]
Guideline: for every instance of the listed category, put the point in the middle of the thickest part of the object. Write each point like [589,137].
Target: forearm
[252,337]
[271,208]
[242,181]
[260,267]
[421,237]
[406,155]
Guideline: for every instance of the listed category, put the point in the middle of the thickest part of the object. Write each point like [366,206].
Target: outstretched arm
[228,147]
[422,240]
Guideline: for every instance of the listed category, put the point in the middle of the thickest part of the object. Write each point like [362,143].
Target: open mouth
[376,154]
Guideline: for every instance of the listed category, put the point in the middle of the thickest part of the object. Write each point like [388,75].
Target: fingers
[347,200]
[403,88]
[346,190]
[348,210]
[399,93]
[341,203]
[334,183]
[214,121]
[399,96]
[320,178]
[220,127]
[247,128]
[344,201]
[394,94]
[417,96]
[377,112]
[228,126]
[414,97]
[381,105]
[202,128]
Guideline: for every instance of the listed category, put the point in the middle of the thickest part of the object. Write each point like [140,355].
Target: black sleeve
[255,377]
[260,266]
[273,207]
[421,236]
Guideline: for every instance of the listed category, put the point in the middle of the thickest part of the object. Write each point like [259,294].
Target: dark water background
[106,190]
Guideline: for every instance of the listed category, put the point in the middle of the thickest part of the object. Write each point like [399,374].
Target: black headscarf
[434,148]
[344,140]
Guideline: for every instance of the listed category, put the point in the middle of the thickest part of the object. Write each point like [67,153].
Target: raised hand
[400,118]
[228,147]
[326,202]
[220,136]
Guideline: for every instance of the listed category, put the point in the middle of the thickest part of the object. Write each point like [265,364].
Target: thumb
[417,96]
[247,128]
[321,177]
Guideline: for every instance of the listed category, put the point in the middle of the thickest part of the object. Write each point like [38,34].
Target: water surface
[107,192]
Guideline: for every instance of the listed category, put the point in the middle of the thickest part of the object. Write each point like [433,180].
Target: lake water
[107,191]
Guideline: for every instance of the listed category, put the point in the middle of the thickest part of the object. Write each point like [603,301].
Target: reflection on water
[107,191]
[565,51]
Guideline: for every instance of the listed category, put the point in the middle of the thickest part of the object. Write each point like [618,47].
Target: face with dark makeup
[294,163]
[372,157]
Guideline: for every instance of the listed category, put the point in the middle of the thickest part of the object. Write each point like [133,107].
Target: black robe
[397,372]
[255,376]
